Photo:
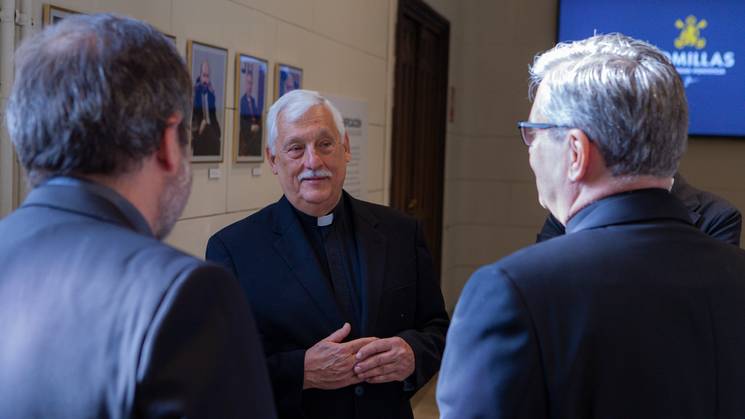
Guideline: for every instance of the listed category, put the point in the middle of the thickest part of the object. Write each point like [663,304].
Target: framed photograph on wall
[53,14]
[208,66]
[286,79]
[250,94]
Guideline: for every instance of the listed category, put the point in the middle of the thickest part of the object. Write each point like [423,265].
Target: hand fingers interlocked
[329,363]
[385,360]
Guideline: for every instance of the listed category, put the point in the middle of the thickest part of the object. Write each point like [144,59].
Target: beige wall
[491,205]
[345,48]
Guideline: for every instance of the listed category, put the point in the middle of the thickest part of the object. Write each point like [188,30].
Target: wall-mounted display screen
[704,39]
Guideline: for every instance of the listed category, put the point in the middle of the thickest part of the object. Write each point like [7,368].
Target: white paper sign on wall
[355,121]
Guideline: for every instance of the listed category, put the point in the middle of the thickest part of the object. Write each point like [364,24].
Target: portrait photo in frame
[208,67]
[286,79]
[53,14]
[250,95]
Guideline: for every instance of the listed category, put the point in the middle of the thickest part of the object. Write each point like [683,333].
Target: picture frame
[208,113]
[250,97]
[53,14]
[287,78]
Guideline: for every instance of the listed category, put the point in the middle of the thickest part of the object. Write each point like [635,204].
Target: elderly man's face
[547,158]
[311,161]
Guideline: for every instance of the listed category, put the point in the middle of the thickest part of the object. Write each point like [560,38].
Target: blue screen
[704,39]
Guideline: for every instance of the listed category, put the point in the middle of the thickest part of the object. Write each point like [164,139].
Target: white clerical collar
[326,220]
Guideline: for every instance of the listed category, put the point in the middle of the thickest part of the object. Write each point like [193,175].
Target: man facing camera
[351,315]
[634,312]
[99,319]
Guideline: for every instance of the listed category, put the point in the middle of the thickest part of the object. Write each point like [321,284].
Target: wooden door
[419,118]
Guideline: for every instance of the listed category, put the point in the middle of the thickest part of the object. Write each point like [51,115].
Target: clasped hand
[331,364]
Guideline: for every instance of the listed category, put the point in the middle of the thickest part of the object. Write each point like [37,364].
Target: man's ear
[579,154]
[170,151]
[347,152]
[271,159]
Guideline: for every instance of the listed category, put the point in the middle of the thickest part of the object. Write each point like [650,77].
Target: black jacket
[294,307]
[634,313]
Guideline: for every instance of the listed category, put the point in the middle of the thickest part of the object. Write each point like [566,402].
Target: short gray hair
[624,94]
[292,106]
[93,94]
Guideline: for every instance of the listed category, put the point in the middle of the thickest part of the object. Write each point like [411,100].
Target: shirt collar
[128,211]
[324,220]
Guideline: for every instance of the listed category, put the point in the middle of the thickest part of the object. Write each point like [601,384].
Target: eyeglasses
[527,129]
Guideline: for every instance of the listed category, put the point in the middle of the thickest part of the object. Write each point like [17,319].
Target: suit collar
[90,199]
[688,196]
[296,251]
[629,207]
[372,246]
[295,248]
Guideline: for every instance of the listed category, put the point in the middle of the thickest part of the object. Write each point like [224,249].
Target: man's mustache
[309,174]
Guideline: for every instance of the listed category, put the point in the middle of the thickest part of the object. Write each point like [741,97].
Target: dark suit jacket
[295,308]
[710,213]
[98,319]
[634,313]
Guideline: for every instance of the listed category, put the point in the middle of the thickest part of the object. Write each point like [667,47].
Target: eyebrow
[321,133]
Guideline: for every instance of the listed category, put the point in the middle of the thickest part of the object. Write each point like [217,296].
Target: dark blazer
[710,213]
[98,319]
[295,308]
[634,313]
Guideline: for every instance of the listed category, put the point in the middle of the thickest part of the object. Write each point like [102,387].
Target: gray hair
[624,94]
[292,106]
[93,94]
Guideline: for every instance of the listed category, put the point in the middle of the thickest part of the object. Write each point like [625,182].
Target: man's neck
[590,193]
[317,210]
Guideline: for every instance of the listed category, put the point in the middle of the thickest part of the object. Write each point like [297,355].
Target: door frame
[427,16]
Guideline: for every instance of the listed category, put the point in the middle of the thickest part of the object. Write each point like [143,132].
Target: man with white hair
[634,313]
[344,293]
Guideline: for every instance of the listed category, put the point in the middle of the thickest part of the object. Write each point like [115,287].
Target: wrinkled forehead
[317,122]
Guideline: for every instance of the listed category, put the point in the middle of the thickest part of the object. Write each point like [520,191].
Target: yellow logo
[690,33]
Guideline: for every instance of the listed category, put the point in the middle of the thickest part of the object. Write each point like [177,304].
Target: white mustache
[307,174]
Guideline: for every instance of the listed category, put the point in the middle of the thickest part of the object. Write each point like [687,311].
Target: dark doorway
[419,118]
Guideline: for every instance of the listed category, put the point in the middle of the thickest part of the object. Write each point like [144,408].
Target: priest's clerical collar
[325,220]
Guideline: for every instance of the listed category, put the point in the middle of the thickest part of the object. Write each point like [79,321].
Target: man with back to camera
[344,293]
[634,313]
[106,321]
[205,127]
[710,213]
